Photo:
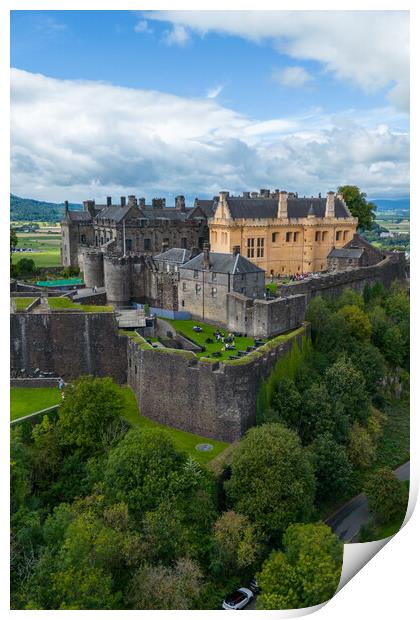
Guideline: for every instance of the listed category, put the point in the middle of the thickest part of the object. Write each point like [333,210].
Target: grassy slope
[186,328]
[183,441]
[24,401]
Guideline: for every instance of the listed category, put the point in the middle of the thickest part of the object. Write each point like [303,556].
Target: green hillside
[29,210]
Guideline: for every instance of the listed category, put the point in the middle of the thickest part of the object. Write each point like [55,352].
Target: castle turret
[117,280]
[330,205]
[93,268]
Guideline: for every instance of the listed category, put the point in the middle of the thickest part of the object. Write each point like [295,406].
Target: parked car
[238,599]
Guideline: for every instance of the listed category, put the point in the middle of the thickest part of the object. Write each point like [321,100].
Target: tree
[13,239]
[347,389]
[25,267]
[369,361]
[357,321]
[306,573]
[317,415]
[359,206]
[143,469]
[361,449]
[394,346]
[332,468]
[91,408]
[286,403]
[272,479]
[349,297]
[162,587]
[385,494]
[236,545]
[87,587]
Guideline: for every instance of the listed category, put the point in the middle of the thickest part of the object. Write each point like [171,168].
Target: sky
[160,103]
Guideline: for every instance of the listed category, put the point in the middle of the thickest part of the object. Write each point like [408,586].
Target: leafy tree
[349,297]
[236,545]
[91,408]
[332,468]
[143,469]
[361,449]
[369,361]
[380,323]
[305,573]
[347,389]
[316,415]
[272,479]
[164,536]
[359,206]
[329,330]
[394,346]
[13,239]
[20,483]
[87,587]
[286,403]
[397,306]
[25,267]
[46,453]
[162,587]
[385,494]
[357,321]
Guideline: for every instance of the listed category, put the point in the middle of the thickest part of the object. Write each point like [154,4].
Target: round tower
[117,277]
[93,268]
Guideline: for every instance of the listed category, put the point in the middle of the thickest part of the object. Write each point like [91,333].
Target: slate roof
[174,255]
[346,253]
[223,263]
[266,208]
[113,212]
[79,216]
[169,213]
[208,207]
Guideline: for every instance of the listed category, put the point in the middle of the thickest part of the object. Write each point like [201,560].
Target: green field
[46,249]
[22,303]
[24,401]
[185,328]
[402,227]
[64,303]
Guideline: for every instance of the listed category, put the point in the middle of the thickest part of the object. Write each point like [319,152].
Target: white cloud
[142,26]
[177,36]
[369,49]
[213,93]
[292,77]
[77,140]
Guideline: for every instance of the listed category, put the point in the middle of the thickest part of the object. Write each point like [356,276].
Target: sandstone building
[280,232]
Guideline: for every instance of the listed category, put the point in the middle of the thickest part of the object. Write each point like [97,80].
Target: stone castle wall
[69,344]
[215,400]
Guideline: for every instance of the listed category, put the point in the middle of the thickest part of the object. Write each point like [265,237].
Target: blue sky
[286,99]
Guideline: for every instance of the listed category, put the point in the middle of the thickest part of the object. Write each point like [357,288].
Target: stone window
[274,237]
[184,286]
[83,238]
[147,245]
[214,236]
[260,247]
[213,276]
[213,291]
[318,235]
[338,235]
[182,303]
[102,240]
[135,369]
[128,244]
[197,289]
[324,235]
[183,242]
[295,236]
[345,234]
[250,248]
[289,237]
[195,273]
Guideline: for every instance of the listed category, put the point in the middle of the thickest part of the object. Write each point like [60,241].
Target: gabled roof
[267,208]
[79,216]
[174,255]
[114,212]
[207,207]
[223,263]
[346,252]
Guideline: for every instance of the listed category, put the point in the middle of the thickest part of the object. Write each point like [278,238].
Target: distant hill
[392,205]
[29,210]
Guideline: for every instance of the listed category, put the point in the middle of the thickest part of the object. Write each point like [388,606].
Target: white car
[238,599]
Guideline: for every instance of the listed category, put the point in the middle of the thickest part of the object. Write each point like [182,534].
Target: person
[94,289]
[60,383]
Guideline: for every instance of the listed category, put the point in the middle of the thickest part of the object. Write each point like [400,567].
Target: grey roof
[174,255]
[346,253]
[359,242]
[168,213]
[208,207]
[114,212]
[79,216]
[223,263]
[266,208]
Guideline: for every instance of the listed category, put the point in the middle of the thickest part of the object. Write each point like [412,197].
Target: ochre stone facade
[281,233]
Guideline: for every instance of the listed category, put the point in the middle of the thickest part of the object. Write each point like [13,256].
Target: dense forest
[29,210]
[105,516]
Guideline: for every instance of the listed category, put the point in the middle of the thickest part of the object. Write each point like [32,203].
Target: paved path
[348,520]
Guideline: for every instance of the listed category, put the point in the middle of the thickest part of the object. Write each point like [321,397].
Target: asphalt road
[348,520]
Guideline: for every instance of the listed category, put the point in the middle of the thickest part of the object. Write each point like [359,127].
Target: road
[348,520]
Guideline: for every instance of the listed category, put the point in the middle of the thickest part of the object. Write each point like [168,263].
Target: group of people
[228,341]
[296,277]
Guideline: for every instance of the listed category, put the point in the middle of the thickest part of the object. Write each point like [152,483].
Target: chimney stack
[142,203]
[180,203]
[206,255]
[123,201]
[108,201]
[330,206]
[246,194]
[282,206]
[132,201]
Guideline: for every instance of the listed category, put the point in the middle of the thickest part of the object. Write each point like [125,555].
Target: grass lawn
[64,303]
[24,401]
[184,442]
[45,258]
[185,328]
[23,302]
[46,249]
